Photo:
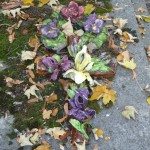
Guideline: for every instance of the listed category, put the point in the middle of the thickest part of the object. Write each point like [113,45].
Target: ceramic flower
[54,65]
[73,11]
[83,65]
[50,30]
[93,24]
[78,105]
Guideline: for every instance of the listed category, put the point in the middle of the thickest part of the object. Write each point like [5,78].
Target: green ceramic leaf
[80,127]
[45,22]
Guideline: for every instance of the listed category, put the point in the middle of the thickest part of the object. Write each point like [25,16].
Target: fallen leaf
[88,9]
[141,9]
[61,147]
[96,147]
[46,114]
[148,100]
[11,4]
[120,23]
[27,55]
[142,30]
[53,2]
[42,2]
[66,108]
[103,92]
[80,147]
[118,31]
[31,74]
[43,147]
[146,18]
[50,99]
[97,133]
[79,32]
[107,138]
[68,28]
[30,67]
[11,37]
[10,82]
[24,140]
[148,52]
[28,2]
[129,112]
[31,91]
[33,41]
[62,119]
[35,138]
[55,132]
[112,45]
[33,100]
[127,37]
[54,112]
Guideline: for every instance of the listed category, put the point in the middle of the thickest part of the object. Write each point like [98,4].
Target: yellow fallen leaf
[129,64]
[46,114]
[129,112]
[107,138]
[80,147]
[127,37]
[43,147]
[28,2]
[88,9]
[146,18]
[42,2]
[103,92]
[33,41]
[97,133]
[148,100]
[120,23]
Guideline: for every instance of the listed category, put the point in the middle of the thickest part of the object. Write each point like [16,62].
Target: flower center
[94,27]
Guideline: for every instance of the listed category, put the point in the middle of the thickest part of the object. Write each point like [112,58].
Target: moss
[12,135]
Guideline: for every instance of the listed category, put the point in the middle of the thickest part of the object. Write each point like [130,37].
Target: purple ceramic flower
[50,30]
[78,105]
[73,11]
[74,43]
[93,24]
[54,67]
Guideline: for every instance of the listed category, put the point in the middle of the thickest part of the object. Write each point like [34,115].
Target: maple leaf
[10,82]
[55,132]
[88,9]
[33,41]
[119,22]
[127,37]
[129,112]
[129,64]
[24,140]
[146,18]
[80,147]
[35,138]
[31,91]
[46,114]
[103,92]
[141,9]
[43,147]
[42,2]
[28,2]
[27,55]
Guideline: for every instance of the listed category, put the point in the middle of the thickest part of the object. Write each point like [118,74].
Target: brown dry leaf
[31,74]
[62,119]
[112,45]
[141,9]
[129,112]
[142,30]
[148,52]
[50,99]
[95,147]
[104,17]
[64,83]
[33,41]
[11,4]
[54,112]
[41,85]
[46,114]
[30,66]
[123,55]
[11,37]
[10,82]
[55,132]
[127,37]
[118,31]
[66,108]
[43,147]
[33,100]
[103,92]
[116,9]
[31,91]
